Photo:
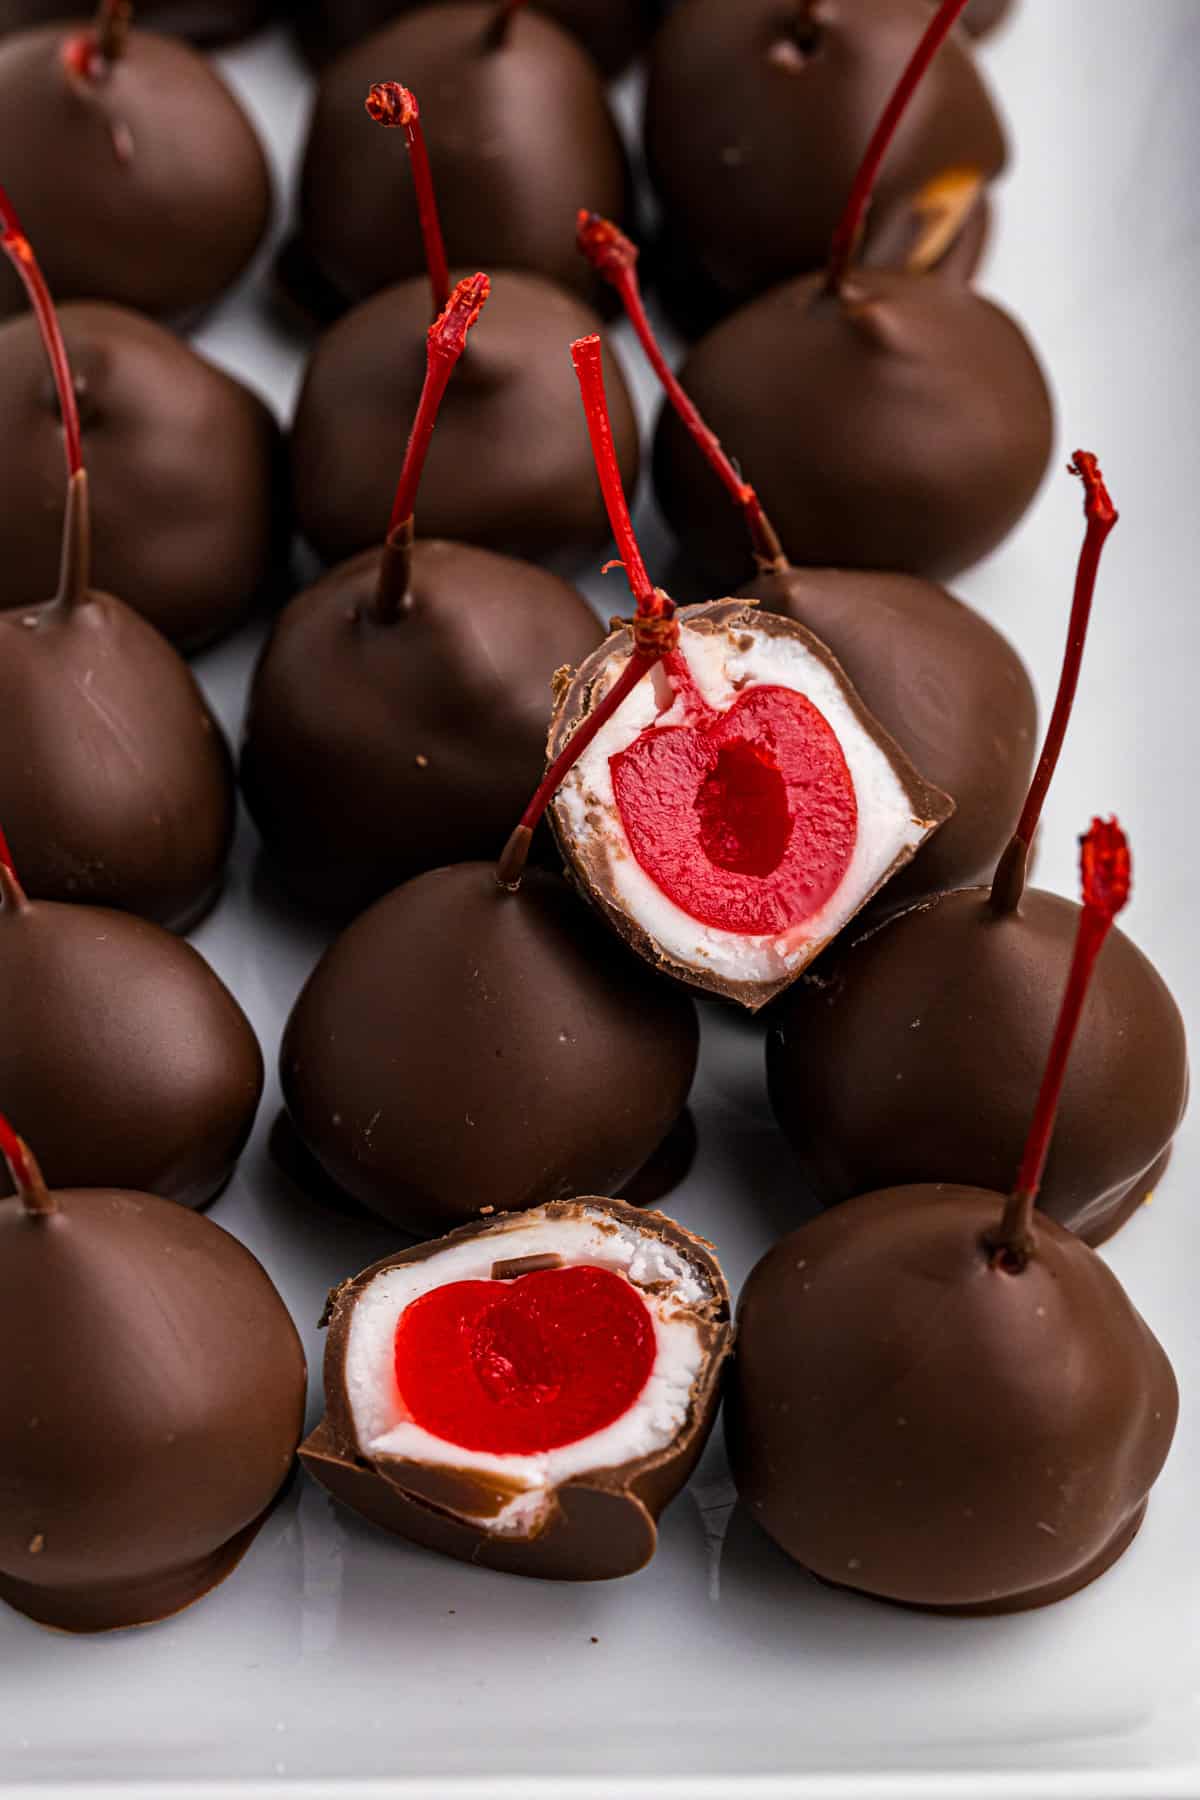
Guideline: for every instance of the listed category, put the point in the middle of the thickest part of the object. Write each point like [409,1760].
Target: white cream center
[671,1286]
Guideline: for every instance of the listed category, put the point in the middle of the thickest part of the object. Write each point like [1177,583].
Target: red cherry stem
[853,221]
[500,22]
[655,627]
[76,555]
[92,53]
[1106,876]
[1101,515]
[614,258]
[396,107]
[445,343]
[17,248]
[26,1176]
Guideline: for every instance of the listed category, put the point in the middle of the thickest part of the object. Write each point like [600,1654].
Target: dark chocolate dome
[122,1053]
[375,750]
[185,467]
[910,1418]
[509,466]
[463,1049]
[517,136]
[903,424]
[153,1401]
[913,1055]
[146,186]
[758,114]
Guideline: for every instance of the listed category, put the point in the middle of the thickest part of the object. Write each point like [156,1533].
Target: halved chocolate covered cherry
[528,1394]
[732,813]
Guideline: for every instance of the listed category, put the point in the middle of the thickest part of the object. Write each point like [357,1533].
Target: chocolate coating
[516,136]
[604,1524]
[612,31]
[914,1056]
[185,470]
[509,466]
[738,94]
[375,750]
[461,1047]
[122,1053]
[143,1446]
[948,687]
[116,786]
[904,424]
[203,21]
[911,1421]
[147,187]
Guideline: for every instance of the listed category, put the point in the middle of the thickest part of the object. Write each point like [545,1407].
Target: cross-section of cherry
[527,1394]
[732,812]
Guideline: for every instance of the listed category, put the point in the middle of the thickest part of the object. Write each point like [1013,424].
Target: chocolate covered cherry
[116,785]
[907,1059]
[756,115]
[887,419]
[731,814]
[121,1050]
[523,129]
[509,469]
[527,1395]
[151,1407]
[398,714]
[185,466]
[943,1398]
[138,174]
[463,1048]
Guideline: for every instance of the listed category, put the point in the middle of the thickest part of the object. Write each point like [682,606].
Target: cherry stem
[1105,878]
[396,107]
[445,342]
[111,28]
[500,22]
[91,54]
[655,627]
[614,258]
[853,221]
[17,248]
[26,1176]
[1101,515]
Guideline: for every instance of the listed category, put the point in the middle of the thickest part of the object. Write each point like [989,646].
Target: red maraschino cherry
[524,1366]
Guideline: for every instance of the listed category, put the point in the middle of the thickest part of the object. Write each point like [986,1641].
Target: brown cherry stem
[1106,878]
[500,22]
[614,258]
[76,548]
[91,54]
[1009,882]
[26,1176]
[655,627]
[853,220]
[396,107]
[445,343]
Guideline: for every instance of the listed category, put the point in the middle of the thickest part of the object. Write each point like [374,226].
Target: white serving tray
[339,1662]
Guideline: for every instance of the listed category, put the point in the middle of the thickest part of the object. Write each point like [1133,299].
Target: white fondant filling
[670,1285]
[723,672]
